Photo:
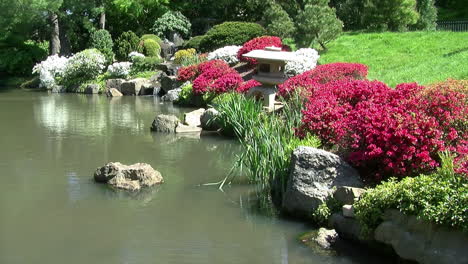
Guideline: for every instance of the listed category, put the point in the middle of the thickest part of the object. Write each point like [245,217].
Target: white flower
[50,69]
[227,54]
[86,64]
[119,69]
[306,59]
[135,56]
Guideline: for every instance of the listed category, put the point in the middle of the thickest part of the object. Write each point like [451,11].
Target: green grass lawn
[423,57]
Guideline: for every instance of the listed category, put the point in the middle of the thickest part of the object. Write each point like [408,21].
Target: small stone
[326,238]
[193,118]
[128,177]
[348,211]
[113,92]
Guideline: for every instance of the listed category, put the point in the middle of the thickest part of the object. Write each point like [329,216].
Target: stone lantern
[270,73]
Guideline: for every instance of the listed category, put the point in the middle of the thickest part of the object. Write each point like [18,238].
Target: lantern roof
[271,54]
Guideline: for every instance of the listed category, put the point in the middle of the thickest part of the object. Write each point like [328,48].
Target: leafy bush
[142,64]
[83,66]
[186,95]
[306,60]
[230,33]
[258,44]
[193,43]
[184,55]
[125,44]
[102,41]
[427,15]
[135,56]
[21,58]
[441,198]
[325,210]
[308,81]
[390,14]
[277,21]
[227,54]
[151,48]
[383,131]
[170,23]
[318,23]
[150,36]
[49,70]
[119,69]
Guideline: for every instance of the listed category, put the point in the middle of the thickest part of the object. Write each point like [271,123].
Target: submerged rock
[314,173]
[128,177]
[165,123]
[326,238]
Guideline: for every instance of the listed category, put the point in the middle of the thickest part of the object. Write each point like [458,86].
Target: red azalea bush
[245,86]
[258,44]
[383,131]
[213,76]
[322,74]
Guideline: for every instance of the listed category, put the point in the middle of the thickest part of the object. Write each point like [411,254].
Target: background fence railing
[461,25]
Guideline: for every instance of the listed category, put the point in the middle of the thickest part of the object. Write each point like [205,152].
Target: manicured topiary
[151,48]
[102,41]
[126,43]
[193,43]
[151,36]
[230,33]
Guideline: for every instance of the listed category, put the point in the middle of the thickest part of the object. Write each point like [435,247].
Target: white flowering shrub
[133,56]
[120,69]
[85,65]
[306,59]
[227,54]
[49,70]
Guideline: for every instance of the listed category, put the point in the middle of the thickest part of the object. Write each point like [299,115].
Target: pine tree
[277,21]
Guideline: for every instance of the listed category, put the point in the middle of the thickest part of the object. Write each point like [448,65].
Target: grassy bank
[424,57]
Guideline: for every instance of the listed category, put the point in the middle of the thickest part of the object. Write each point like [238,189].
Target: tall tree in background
[390,14]
[317,23]
[277,22]
[427,15]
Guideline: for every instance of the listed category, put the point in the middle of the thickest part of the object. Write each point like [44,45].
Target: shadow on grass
[458,51]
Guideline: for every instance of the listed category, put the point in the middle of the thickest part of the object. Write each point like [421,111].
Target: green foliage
[184,55]
[390,14]
[230,33]
[82,67]
[141,74]
[317,23]
[193,43]
[170,23]
[20,59]
[126,43]
[290,42]
[186,95]
[151,36]
[427,15]
[325,210]
[441,198]
[423,57]
[100,80]
[151,48]
[277,21]
[267,140]
[102,41]
[350,12]
[145,64]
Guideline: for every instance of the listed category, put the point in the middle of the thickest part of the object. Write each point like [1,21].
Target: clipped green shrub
[441,198]
[151,36]
[20,59]
[102,41]
[193,43]
[151,48]
[230,33]
[145,64]
[126,43]
[172,22]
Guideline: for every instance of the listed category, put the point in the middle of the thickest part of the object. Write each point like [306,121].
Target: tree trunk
[102,19]
[55,35]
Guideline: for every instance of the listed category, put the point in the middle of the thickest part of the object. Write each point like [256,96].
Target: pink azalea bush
[308,81]
[258,44]
[387,132]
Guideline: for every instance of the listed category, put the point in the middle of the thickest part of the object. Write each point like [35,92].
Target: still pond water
[52,212]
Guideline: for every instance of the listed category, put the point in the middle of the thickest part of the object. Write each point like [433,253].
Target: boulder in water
[128,177]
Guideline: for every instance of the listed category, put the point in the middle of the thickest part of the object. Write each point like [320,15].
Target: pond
[51,211]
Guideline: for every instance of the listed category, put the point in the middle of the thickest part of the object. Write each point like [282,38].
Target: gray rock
[128,177]
[168,83]
[92,89]
[181,128]
[114,83]
[420,241]
[347,228]
[165,123]
[208,121]
[58,89]
[326,238]
[172,95]
[193,118]
[313,175]
[154,80]
[348,211]
[113,92]
[167,49]
[133,87]
[348,195]
[147,89]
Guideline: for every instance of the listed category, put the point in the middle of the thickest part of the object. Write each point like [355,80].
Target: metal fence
[461,25]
